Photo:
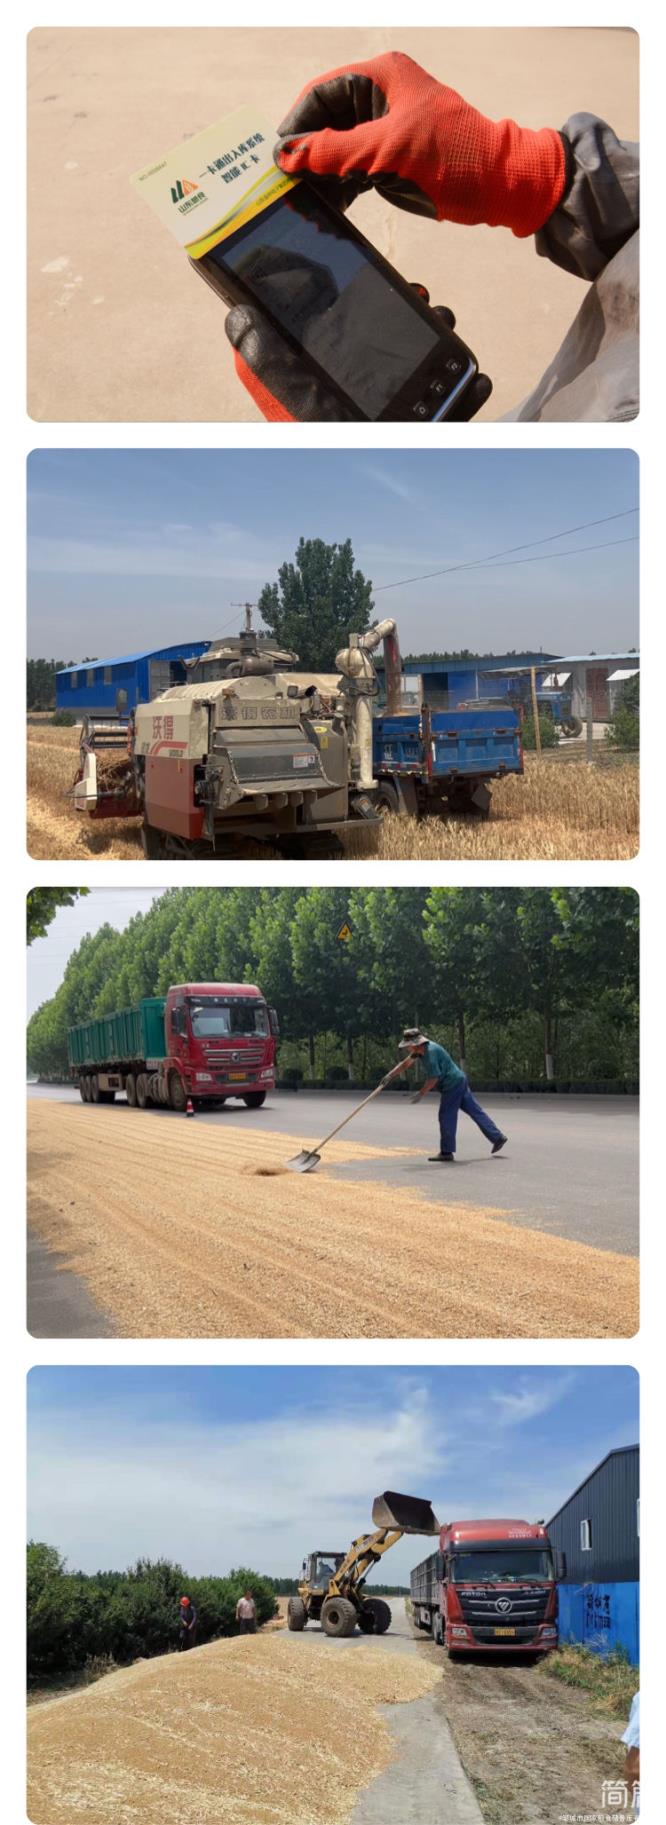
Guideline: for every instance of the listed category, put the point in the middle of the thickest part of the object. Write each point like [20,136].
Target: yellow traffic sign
[345,933]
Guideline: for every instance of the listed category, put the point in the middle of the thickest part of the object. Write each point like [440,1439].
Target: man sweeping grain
[443,1073]
[246,1614]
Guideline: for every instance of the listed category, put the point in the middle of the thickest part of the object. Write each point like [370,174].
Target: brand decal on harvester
[232,179]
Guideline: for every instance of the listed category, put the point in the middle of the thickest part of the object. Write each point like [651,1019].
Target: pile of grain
[258,1731]
[175,1237]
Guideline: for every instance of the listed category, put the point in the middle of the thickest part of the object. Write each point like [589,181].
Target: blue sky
[48,956]
[143,547]
[220,1466]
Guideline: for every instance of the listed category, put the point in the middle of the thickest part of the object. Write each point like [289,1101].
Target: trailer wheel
[296,1614]
[83,1088]
[94,1088]
[177,1093]
[382,1614]
[573,726]
[338,1617]
[255,1099]
[436,1628]
[130,1089]
[142,1090]
[386,798]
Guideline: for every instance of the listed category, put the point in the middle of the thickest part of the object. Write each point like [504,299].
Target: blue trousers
[459,1097]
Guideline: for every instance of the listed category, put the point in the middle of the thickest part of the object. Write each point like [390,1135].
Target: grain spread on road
[176,1234]
[258,1731]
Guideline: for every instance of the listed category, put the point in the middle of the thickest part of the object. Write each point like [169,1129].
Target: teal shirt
[438,1063]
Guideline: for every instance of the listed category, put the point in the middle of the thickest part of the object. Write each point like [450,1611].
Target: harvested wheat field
[180,1230]
[555,813]
[255,1730]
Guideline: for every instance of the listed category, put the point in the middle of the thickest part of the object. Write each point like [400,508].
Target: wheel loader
[332,1590]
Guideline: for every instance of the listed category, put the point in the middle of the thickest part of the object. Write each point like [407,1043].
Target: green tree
[456,918]
[43,904]
[319,600]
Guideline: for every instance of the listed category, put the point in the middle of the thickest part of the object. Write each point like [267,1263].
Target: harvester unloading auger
[332,1587]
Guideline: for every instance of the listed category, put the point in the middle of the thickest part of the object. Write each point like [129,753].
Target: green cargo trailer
[114,1039]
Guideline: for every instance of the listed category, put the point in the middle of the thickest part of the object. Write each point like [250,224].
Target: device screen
[317,283]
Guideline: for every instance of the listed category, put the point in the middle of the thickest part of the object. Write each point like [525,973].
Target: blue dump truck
[253,747]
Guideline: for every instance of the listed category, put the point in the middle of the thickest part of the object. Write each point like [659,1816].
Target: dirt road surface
[534,1749]
[553,813]
[111,294]
[175,1221]
[244,1731]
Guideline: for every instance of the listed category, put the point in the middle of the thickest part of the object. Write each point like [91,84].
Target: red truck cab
[491,1588]
[221,1037]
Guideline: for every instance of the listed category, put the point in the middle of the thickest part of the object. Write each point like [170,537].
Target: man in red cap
[187,1623]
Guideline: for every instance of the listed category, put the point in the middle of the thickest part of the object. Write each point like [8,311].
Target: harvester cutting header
[253,747]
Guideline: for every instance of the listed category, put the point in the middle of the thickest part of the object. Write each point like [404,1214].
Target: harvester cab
[332,1589]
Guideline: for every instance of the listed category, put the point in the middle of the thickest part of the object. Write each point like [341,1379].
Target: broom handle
[359,1106]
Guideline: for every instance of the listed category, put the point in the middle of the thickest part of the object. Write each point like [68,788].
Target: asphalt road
[426,1780]
[570,1168]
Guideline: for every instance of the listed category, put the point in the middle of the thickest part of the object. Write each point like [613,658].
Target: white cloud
[531,1400]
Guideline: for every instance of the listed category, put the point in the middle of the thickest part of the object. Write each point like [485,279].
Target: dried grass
[577,812]
[258,1731]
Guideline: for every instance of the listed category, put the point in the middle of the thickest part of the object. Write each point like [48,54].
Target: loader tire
[255,1099]
[338,1617]
[177,1093]
[296,1614]
[130,1090]
[366,1620]
[381,1613]
[142,1090]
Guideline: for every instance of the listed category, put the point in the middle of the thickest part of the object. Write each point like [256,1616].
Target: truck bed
[112,1039]
[469,744]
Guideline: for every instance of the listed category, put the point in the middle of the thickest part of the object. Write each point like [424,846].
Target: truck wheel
[470,801]
[83,1089]
[130,1090]
[296,1614]
[436,1628]
[338,1617]
[177,1093]
[255,1099]
[142,1090]
[386,798]
[381,1612]
[94,1088]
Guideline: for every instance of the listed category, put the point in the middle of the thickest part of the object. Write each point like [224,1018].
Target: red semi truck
[491,1587]
[204,1040]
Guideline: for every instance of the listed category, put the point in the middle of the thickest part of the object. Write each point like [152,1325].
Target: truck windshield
[500,1566]
[235,1019]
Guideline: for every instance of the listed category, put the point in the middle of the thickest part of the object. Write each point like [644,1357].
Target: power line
[474,563]
[546,556]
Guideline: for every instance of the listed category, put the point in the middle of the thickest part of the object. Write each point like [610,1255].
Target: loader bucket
[408,1512]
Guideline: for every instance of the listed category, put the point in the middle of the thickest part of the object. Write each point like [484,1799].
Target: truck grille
[524,1607]
[236,1058]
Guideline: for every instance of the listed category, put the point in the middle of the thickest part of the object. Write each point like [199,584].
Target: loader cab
[320,1567]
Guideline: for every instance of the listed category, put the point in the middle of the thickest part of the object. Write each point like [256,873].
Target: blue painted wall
[603,1617]
[96,685]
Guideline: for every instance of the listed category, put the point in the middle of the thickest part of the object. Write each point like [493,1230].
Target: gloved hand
[388,124]
[286,391]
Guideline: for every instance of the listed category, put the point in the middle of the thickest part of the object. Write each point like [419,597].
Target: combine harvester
[251,747]
[332,1591]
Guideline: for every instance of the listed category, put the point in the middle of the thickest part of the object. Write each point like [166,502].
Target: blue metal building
[94,686]
[599,1530]
[448,682]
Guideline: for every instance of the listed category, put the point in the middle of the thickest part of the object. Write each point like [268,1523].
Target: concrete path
[571,1166]
[426,1783]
